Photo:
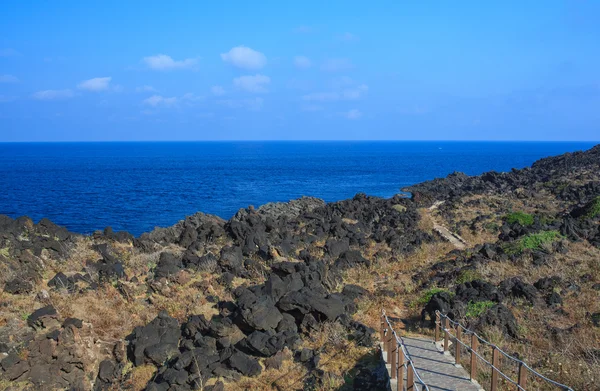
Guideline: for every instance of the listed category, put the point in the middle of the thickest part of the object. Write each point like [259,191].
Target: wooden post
[410,378]
[390,345]
[382,331]
[393,361]
[446,335]
[522,375]
[496,364]
[474,344]
[400,369]
[458,345]
[437,327]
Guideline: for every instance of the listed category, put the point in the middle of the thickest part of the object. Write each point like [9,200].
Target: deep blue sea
[135,186]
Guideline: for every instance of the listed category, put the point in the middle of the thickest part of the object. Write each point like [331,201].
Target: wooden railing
[446,325]
[398,358]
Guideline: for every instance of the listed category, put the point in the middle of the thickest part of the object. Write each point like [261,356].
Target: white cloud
[311,108]
[157,101]
[342,81]
[162,62]
[145,89]
[160,101]
[302,62]
[217,90]
[53,94]
[304,29]
[355,93]
[347,37]
[250,104]
[8,52]
[353,114]
[321,97]
[95,84]
[8,79]
[245,57]
[191,98]
[255,84]
[336,65]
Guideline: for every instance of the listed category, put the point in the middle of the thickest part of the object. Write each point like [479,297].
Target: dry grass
[290,376]
[140,376]
[426,222]
[111,316]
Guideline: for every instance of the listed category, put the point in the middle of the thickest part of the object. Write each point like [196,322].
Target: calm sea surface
[137,186]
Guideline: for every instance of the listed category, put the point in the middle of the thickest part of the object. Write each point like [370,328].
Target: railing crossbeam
[442,325]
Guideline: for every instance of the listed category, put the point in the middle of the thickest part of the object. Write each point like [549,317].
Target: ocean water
[135,186]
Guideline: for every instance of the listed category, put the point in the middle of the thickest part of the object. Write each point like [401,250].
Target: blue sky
[420,70]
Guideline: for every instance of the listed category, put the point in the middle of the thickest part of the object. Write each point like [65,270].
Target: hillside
[288,295]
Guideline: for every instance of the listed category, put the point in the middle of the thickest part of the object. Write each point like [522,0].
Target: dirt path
[450,236]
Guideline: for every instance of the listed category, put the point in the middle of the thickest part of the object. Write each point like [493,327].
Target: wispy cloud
[160,101]
[250,104]
[347,37]
[353,93]
[145,89]
[8,52]
[53,94]
[302,62]
[191,98]
[8,79]
[311,108]
[96,84]
[304,29]
[321,97]
[336,65]
[245,58]
[256,83]
[162,62]
[352,114]
[217,90]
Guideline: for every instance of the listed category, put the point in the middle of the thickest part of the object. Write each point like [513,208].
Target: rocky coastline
[280,290]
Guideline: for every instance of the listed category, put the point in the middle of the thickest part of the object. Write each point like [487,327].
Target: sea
[136,186]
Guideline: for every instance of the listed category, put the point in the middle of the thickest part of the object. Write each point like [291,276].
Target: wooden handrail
[398,357]
[442,325]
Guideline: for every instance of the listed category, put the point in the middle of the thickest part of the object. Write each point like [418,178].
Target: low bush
[535,241]
[594,208]
[476,309]
[427,295]
[467,275]
[522,218]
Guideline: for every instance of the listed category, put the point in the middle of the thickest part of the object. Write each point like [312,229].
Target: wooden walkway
[435,368]
[450,236]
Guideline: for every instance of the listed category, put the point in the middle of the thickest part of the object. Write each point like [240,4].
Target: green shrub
[534,241]
[467,275]
[537,240]
[427,295]
[522,218]
[594,208]
[476,309]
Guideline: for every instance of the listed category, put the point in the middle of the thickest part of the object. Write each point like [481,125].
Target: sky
[299,70]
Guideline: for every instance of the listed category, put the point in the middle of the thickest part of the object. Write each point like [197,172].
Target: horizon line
[295,140]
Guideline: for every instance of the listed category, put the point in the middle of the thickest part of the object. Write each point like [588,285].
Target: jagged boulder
[156,342]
